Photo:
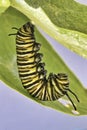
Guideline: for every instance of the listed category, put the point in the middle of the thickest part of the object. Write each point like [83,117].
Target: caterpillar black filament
[32,72]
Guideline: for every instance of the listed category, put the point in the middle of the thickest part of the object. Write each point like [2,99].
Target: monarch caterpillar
[32,72]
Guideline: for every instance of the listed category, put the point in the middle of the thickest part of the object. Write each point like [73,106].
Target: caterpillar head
[28,27]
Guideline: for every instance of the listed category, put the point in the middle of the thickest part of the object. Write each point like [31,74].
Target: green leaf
[8,66]
[65,21]
[4,4]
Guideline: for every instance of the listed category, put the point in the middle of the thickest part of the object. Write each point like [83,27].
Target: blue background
[19,113]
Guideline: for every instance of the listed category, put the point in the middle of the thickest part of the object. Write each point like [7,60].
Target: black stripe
[61,76]
[31,84]
[25,75]
[24,64]
[27,52]
[51,86]
[26,69]
[24,43]
[25,58]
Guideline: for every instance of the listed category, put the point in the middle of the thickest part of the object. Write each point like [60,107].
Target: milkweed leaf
[8,66]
